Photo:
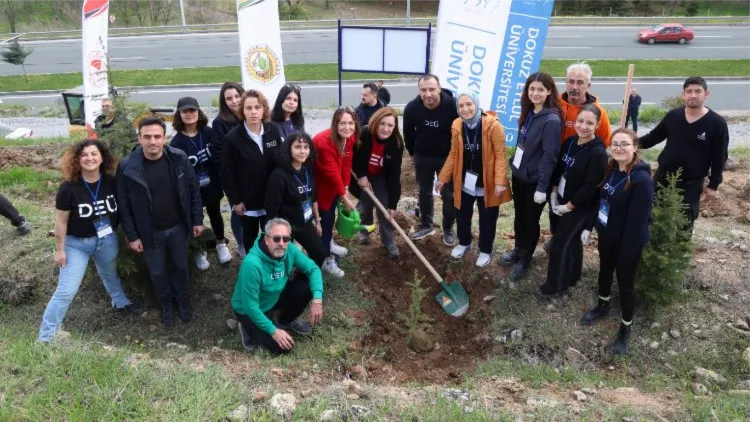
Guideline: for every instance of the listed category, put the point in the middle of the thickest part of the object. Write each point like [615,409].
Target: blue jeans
[78,251]
[169,245]
[327,220]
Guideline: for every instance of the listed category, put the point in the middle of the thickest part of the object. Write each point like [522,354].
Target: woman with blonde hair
[477,164]
[86,222]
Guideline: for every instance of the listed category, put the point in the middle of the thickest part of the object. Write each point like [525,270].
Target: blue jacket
[541,149]
[134,197]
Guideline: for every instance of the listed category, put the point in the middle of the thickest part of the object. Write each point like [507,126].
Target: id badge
[561,187]
[470,182]
[517,159]
[103,227]
[603,213]
[203,178]
[307,210]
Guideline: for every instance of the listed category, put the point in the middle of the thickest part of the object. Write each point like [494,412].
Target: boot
[520,270]
[167,315]
[185,310]
[620,346]
[510,258]
[600,311]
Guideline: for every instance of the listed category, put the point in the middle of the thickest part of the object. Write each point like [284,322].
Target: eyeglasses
[621,145]
[279,239]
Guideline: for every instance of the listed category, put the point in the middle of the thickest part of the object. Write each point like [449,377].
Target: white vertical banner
[95,24]
[260,46]
[491,47]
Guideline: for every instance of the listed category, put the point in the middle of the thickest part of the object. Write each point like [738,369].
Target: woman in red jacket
[332,174]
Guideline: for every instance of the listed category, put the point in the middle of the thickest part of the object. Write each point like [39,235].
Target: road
[320,46]
[724,94]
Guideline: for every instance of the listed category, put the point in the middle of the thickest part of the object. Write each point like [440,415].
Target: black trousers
[251,226]
[634,117]
[213,210]
[167,264]
[10,212]
[487,221]
[610,261]
[292,302]
[566,254]
[425,168]
[308,238]
[526,221]
[691,195]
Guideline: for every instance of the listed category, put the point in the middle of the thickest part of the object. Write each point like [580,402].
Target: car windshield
[657,28]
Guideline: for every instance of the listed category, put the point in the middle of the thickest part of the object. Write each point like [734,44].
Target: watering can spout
[348,223]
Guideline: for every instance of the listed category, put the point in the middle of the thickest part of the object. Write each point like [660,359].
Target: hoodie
[629,215]
[199,150]
[570,113]
[428,132]
[583,167]
[287,190]
[541,148]
[262,279]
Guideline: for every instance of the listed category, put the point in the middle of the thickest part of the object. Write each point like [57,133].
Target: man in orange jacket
[577,84]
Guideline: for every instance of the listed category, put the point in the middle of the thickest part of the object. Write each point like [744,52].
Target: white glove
[561,210]
[586,237]
[540,197]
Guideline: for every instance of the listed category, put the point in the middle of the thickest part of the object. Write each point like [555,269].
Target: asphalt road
[724,94]
[320,46]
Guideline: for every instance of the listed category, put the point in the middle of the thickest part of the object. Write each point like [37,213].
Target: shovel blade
[453,299]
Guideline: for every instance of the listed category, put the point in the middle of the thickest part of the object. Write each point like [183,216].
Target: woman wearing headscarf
[477,164]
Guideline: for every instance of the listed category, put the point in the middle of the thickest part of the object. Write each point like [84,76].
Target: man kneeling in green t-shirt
[263,286]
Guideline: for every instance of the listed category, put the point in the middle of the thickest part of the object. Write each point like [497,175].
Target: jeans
[327,220]
[10,212]
[77,252]
[170,244]
[425,168]
[366,206]
[487,222]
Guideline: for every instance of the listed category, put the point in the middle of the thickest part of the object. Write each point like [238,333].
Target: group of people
[284,185]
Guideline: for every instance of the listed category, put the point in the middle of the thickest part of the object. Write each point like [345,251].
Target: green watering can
[348,223]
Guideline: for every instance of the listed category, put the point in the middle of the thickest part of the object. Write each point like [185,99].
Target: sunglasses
[279,239]
[295,88]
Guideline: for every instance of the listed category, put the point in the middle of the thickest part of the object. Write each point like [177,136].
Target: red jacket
[332,171]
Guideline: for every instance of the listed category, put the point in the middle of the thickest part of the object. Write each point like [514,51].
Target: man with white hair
[577,84]
[264,287]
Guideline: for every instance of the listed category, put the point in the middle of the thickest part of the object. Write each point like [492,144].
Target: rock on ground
[283,404]
[239,414]
[329,416]
[708,377]
[699,389]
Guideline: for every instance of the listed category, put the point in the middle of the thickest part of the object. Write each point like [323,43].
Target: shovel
[453,299]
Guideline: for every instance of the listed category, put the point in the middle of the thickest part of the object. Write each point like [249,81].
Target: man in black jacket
[370,103]
[427,134]
[634,103]
[383,93]
[160,204]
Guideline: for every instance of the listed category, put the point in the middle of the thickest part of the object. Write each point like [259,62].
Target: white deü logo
[702,136]
[376,160]
[201,156]
[98,208]
[432,123]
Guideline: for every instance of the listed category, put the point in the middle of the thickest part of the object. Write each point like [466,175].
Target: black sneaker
[186,311]
[511,258]
[449,237]
[422,232]
[543,293]
[133,308]
[519,270]
[247,341]
[24,228]
[601,310]
[298,326]
[167,316]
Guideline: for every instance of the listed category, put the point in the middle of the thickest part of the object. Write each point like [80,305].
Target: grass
[328,71]
[20,180]
[26,142]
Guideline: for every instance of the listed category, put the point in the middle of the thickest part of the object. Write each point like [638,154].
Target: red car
[666,32]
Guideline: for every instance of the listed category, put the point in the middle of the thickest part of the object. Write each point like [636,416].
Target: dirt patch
[39,157]
[458,342]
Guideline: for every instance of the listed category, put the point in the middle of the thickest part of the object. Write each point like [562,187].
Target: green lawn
[328,71]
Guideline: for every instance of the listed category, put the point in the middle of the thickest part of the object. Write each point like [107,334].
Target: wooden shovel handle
[626,99]
[401,232]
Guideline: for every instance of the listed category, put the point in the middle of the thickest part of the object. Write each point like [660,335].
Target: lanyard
[94,195]
[612,188]
[472,144]
[305,185]
[200,136]
[526,125]
[569,158]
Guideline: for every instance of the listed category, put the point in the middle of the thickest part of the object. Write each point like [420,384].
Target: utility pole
[408,12]
[182,14]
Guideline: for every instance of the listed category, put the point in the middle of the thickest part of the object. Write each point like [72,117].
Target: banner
[260,46]
[491,47]
[95,24]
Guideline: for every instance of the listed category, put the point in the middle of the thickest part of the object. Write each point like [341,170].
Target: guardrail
[400,22]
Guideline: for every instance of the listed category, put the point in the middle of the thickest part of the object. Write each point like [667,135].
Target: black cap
[187,102]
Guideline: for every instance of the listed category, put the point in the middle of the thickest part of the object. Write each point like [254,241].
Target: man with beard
[697,141]
[264,287]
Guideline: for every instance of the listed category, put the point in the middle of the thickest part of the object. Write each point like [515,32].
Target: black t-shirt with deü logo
[74,197]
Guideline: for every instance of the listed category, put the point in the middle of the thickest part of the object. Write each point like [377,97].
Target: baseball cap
[187,102]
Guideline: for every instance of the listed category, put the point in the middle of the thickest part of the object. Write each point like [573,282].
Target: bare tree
[140,10]
[9,9]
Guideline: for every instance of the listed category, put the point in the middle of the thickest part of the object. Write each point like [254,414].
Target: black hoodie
[219,129]
[541,148]
[428,132]
[287,190]
[584,171]
[629,215]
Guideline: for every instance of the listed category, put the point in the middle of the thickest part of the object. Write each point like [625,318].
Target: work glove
[560,210]
[553,200]
[540,197]
[586,237]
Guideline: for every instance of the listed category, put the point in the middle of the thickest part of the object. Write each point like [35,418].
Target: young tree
[16,54]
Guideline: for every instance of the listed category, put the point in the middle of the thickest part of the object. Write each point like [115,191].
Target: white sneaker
[201,262]
[337,250]
[330,266]
[459,251]
[483,260]
[223,252]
